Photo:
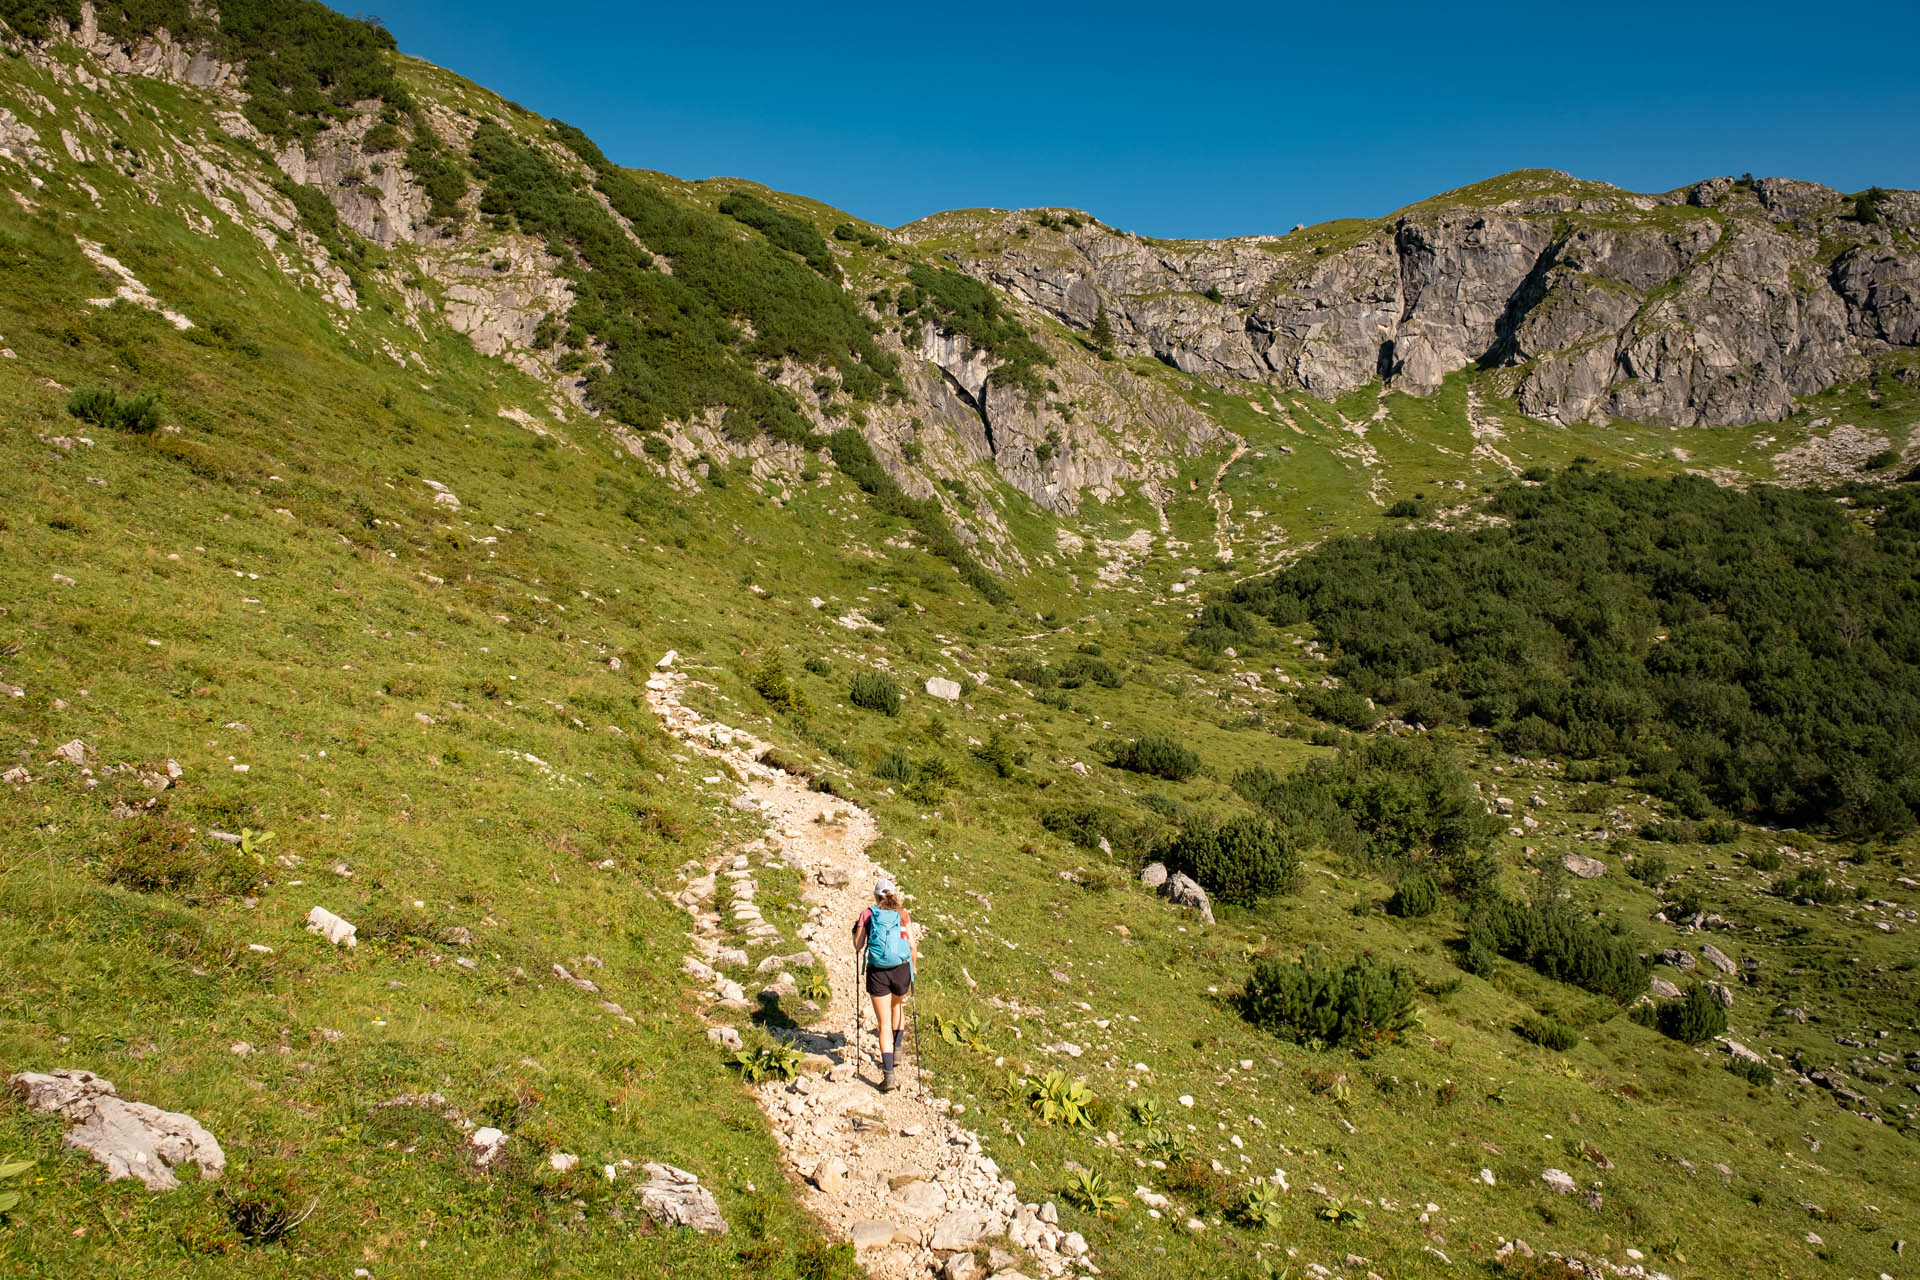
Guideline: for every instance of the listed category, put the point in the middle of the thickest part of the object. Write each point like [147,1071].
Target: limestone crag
[1711,305]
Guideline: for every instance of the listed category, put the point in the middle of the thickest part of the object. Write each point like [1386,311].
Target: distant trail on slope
[1222,504]
[835,1128]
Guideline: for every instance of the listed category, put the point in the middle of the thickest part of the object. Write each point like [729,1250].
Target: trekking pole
[919,1070]
[859,1012]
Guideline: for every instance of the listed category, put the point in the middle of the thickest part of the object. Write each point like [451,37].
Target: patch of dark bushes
[1242,861]
[1155,755]
[1555,940]
[1547,1033]
[1362,1005]
[1741,651]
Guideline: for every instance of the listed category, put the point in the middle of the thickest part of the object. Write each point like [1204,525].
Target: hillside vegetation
[344,590]
[1747,652]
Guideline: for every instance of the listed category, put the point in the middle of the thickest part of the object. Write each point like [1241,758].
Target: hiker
[886,932]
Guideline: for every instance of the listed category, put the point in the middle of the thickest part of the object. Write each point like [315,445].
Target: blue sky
[1201,120]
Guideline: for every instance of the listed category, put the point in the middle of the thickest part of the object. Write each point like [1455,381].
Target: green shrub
[1547,1033]
[1558,943]
[858,235]
[770,681]
[857,460]
[162,855]
[657,372]
[1694,1018]
[154,855]
[895,766]
[874,691]
[1648,868]
[1812,885]
[1361,1005]
[438,173]
[1409,509]
[304,65]
[1343,707]
[137,414]
[1881,461]
[1477,958]
[819,666]
[1392,800]
[1155,755]
[1414,896]
[1764,860]
[999,754]
[1086,825]
[1196,1180]
[1758,1074]
[1243,861]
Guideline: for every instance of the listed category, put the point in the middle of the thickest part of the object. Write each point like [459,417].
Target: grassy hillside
[364,608]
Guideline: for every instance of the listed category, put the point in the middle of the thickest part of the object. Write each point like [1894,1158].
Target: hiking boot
[887,1083]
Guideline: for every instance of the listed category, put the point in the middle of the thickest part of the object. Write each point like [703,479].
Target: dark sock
[898,1036]
[886,1062]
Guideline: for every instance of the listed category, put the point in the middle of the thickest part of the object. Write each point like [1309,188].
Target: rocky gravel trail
[897,1174]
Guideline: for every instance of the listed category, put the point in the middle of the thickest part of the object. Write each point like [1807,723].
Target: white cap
[883,886]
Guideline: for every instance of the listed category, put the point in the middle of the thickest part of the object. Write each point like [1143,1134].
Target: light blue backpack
[887,945]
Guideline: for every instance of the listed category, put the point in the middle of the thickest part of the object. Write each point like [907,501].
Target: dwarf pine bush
[137,414]
[1694,1018]
[1548,1034]
[1561,945]
[874,692]
[771,682]
[1360,1005]
[1157,756]
[1242,861]
[1414,896]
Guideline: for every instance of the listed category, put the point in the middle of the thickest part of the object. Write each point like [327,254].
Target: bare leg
[883,1007]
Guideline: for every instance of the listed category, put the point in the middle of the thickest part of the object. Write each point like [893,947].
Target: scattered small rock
[1584,867]
[675,1197]
[332,928]
[487,1144]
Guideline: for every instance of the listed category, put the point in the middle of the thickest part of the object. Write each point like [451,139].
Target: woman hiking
[886,932]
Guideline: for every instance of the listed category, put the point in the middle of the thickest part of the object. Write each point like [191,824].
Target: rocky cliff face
[1712,305]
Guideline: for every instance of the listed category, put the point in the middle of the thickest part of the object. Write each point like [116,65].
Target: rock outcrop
[132,1139]
[1711,305]
[675,1197]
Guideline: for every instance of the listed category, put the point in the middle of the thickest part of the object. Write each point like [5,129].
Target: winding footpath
[897,1174]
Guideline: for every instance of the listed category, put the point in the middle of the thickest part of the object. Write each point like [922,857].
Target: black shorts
[890,982]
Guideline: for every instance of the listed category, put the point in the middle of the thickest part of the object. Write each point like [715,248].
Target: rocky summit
[1394,740]
[1712,305]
